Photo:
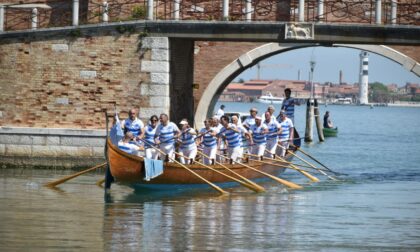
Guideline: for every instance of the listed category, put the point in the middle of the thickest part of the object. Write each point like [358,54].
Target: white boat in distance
[269,99]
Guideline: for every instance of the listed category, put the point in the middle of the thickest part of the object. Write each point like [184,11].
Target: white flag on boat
[116,133]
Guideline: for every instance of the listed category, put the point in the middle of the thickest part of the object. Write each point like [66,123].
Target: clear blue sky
[329,61]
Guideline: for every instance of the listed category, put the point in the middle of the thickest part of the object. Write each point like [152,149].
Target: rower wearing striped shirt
[148,135]
[188,148]
[208,140]
[244,134]
[126,144]
[274,129]
[287,129]
[258,132]
[132,123]
[231,134]
[165,136]
[288,105]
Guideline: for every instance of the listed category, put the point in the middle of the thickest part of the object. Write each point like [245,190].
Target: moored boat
[330,132]
[269,99]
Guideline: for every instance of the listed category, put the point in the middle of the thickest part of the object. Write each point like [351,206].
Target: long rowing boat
[130,170]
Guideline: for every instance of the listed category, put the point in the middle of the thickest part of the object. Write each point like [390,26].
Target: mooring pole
[309,121]
[318,122]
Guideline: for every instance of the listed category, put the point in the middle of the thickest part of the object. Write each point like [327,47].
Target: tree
[379,92]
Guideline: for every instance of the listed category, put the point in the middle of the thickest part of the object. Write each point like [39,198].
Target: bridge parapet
[59,13]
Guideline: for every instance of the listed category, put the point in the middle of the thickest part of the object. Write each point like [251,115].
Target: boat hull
[330,132]
[129,169]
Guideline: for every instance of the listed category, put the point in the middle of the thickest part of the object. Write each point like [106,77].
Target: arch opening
[251,58]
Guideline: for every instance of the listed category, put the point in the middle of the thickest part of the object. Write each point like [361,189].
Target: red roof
[240,86]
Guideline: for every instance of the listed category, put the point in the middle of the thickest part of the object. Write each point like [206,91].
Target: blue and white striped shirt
[232,136]
[208,139]
[134,126]
[188,140]
[258,135]
[166,133]
[128,147]
[273,127]
[149,136]
[289,106]
[286,125]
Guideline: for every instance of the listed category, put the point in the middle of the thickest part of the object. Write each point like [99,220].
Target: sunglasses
[154,120]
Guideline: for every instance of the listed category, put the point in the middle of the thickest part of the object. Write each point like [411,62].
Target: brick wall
[68,82]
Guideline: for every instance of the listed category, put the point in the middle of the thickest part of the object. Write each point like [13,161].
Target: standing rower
[258,132]
[148,136]
[208,139]
[132,123]
[231,133]
[274,129]
[165,136]
[188,148]
[288,105]
[286,135]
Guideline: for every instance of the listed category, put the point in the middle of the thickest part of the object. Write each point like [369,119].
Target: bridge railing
[57,13]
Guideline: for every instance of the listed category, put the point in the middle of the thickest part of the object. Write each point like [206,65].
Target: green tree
[379,92]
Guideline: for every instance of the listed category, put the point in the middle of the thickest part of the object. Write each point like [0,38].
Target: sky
[329,61]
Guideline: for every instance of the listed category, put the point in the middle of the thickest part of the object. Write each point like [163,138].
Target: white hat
[183,122]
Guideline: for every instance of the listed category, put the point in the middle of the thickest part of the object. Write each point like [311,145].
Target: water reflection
[197,223]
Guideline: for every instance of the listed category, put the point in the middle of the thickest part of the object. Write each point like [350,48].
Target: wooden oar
[250,186]
[191,171]
[281,181]
[290,166]
[314,167]
[311,157]
[260,188]
[100,182]
[60,181]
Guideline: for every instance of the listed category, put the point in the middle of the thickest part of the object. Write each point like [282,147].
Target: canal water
[375,207]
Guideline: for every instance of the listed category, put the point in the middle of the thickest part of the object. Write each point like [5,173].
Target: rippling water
[376,206]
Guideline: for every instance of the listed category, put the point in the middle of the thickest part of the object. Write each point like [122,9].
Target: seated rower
[258,132]
[231,133]
[243,135]
[327,122]
[127,145]
[166,133]
[188,149]
[148,136]
[208,139]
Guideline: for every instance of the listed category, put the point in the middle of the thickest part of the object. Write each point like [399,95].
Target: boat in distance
[269,99]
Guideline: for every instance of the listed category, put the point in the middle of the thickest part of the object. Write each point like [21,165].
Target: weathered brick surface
[42,87]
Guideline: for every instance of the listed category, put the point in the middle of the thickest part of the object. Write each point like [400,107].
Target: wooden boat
[129,169]
[330,132]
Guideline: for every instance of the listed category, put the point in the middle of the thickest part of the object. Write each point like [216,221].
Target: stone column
[1,18]
[150,9]
[378,12]
[34,18]
[248,10]
[176,9]
[226,10]
[105,16]
[157,89]
[394,4]
[301,11]
[75,12]
[320,11]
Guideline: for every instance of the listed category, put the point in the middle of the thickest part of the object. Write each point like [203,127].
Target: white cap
[183,122]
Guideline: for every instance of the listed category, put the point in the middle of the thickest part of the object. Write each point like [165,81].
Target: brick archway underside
[252,57]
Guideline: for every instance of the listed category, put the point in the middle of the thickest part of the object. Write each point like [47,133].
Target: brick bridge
[65,77]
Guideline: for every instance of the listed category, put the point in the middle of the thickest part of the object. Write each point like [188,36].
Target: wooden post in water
[309,121]
[318,122]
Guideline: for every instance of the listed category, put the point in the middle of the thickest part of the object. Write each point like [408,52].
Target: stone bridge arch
[252,57]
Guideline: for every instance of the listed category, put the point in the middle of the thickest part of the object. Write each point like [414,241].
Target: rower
[165,136]
[327,121]
[244,134]
[208,139]
[126,144]
[271,109]
[250,120]
[132,123]
[274,129]
[231,134]
[258,132]
[286,135]
[188,149]
[148,135]
[288,105]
